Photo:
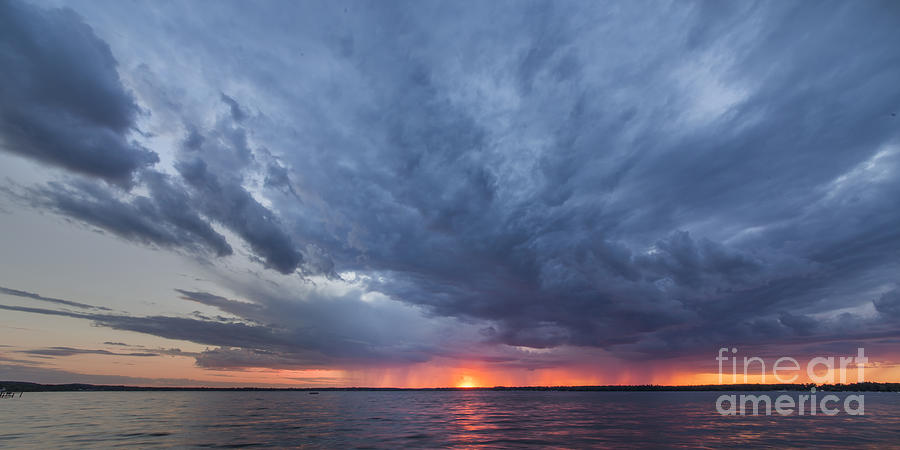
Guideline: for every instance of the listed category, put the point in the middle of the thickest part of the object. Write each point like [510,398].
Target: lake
[424,419]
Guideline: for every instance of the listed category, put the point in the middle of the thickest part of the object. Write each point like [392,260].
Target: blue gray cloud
[58,301]
[61,100]
[648,179]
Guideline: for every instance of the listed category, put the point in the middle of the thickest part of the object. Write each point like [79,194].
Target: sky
[464,193]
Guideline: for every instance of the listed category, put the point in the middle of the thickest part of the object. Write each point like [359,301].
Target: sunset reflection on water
[391,419]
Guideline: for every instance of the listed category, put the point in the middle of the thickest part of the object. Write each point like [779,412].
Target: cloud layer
[62,101]
[650,180]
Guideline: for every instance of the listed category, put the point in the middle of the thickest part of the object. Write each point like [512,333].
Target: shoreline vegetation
[22,386]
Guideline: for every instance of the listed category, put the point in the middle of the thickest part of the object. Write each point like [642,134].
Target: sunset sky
[457,193]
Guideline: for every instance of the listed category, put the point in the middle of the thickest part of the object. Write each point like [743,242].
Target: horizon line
[609,387]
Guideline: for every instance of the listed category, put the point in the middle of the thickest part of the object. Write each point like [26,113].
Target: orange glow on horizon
[438,373]
[467,382]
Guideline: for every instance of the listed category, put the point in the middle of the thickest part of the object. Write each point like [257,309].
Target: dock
[8,394]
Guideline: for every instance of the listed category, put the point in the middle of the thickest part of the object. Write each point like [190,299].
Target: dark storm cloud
[215,170]
[170,214]
[642,175]
[177,212]
[651,181]
[231,204]
[61,100]
[65,104]
[164,218]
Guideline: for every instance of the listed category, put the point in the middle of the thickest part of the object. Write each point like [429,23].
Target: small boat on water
[313,393]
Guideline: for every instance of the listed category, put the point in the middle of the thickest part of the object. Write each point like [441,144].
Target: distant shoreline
[22,386]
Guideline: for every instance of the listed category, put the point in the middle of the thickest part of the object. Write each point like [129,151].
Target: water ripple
[426,419]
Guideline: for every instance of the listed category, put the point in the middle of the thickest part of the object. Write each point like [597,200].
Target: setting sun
[467,382]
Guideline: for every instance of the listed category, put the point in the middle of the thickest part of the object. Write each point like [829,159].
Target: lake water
[424,419]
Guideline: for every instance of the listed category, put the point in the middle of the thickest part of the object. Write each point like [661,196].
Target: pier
[8,394]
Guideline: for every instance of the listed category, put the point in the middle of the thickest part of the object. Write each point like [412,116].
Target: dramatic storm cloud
[387,183]
[61,99]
